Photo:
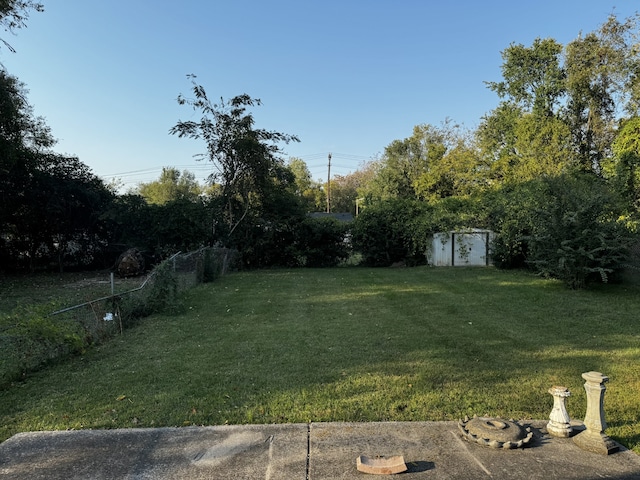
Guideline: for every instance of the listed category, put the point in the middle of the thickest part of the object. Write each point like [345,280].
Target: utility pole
[329,186]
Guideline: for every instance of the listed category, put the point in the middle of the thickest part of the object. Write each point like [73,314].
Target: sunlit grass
[351,344]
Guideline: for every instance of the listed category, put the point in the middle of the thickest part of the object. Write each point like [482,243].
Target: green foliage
[163,293]
[562,227]
[310,192]
[602,81]
[509,215]
[171,186]
[50,204]
[496,139]
[533,77]
[622,169]
[218,261]
[160,295]
[346,190]
[382,234]
[159,230]
[409,168]
[270,243]
[322,242]
[401,230]
[246,158]
[29,338]
[542,148]
[575,236]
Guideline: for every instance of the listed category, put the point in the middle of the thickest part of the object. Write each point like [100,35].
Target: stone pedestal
[593,439]
[559,422]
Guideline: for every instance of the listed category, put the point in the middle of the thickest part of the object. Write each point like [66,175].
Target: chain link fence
[28,343]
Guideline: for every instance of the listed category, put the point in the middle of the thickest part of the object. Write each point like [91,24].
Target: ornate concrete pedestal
[593,439]
[559,422]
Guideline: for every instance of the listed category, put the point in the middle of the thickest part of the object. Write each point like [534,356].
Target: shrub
[509,214]
[382,232]
[401,230]
[562,227]
[322,242]
[575,237]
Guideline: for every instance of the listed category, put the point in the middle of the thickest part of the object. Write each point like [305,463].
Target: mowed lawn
[350,344]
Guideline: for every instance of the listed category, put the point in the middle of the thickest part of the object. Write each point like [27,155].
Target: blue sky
[345,76]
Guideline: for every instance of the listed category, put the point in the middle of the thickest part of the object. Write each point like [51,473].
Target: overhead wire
[134,177]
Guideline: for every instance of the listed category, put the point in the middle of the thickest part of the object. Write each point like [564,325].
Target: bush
[269,243]
[509,215]
[322,242]
[561,227]
[401,230]
[379,232]
[575,237]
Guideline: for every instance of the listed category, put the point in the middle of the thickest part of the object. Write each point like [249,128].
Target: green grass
[350,344]
[60,288]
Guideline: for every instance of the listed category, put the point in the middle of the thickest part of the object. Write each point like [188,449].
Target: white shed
[461,249]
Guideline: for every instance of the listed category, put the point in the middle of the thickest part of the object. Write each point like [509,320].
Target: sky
[347,77]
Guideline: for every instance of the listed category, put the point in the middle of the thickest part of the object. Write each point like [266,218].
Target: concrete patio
[432,450]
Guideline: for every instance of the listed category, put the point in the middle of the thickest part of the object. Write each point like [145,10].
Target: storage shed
[461,248]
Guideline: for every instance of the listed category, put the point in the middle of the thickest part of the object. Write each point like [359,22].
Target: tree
[14,15]
[542,148]
[533,77]
[526,137]
[311,192]
[562,227]
[346,189]
[458,172]
[496,139]
[401,169]
[22,139]
[172,185]
[623,169]
[50,204]
[603,80]
[68,199]
[246,158]
[58,215]
[382,235]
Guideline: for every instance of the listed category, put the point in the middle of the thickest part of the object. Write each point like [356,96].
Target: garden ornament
[495,432]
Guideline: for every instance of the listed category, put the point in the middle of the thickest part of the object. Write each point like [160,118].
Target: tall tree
[542,148]
[404,161]
[533,76]
[496,139]
[458,172]
[434,162]
[247,159]
[50,204]
[602,81]
[22,137]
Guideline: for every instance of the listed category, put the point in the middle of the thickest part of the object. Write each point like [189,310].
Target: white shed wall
[468,248]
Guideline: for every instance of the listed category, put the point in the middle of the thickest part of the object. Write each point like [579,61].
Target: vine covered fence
[34,337]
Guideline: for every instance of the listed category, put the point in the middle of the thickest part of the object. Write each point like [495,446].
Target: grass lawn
[62,288]
[350,344]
